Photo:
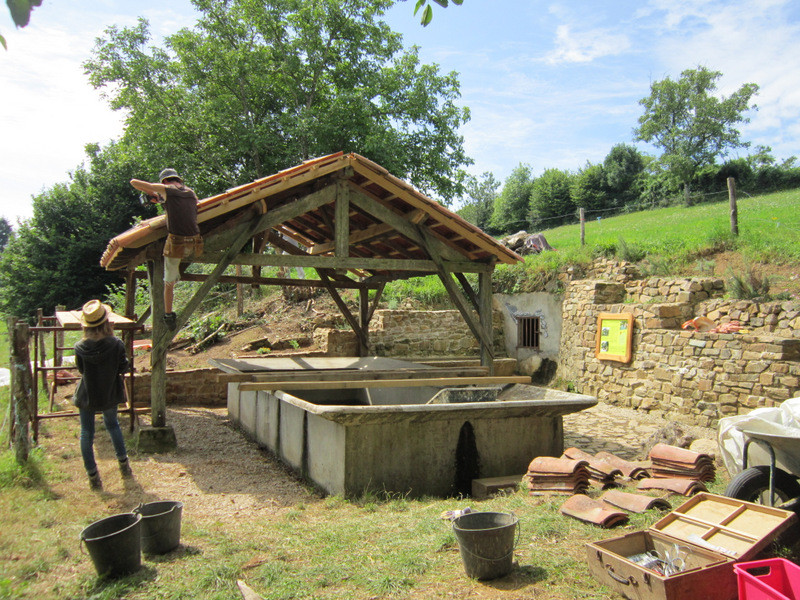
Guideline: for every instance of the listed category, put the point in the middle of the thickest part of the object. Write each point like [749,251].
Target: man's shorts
[176,248]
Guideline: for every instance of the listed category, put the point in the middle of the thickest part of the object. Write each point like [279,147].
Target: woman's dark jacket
[101,363]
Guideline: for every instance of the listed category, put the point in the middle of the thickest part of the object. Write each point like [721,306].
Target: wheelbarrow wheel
[752,485]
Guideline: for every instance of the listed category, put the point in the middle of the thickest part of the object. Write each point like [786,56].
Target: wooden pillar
[734,209]
[342,220]
[485,304]
[364,316]
[161,340]
[583,227]
[130,295]
[21,391]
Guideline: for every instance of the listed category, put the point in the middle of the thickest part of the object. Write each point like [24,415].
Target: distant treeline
[628,180]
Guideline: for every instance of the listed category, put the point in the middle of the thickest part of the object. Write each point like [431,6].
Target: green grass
[673,240]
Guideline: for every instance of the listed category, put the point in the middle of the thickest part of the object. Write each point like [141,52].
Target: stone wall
[192,387]
[697,377]
[398,333]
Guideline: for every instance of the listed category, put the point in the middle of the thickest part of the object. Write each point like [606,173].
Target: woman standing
[101,360]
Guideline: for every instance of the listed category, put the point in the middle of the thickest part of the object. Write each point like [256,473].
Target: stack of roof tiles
[671,462]
[601,472]
[549,475]
[629,469]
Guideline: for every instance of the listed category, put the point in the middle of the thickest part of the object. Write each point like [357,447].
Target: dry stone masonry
[698,377]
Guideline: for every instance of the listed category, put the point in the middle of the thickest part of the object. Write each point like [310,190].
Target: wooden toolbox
[708,532]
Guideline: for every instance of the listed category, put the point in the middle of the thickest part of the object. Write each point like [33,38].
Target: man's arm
[150,188]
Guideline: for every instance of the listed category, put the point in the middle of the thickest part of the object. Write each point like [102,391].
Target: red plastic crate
[770,579]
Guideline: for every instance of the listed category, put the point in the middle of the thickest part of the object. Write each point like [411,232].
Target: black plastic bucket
[486,541]
[114,543]
[161,526]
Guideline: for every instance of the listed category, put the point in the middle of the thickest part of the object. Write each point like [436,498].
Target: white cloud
[586,46]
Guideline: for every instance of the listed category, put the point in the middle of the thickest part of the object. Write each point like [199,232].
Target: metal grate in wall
[529,331]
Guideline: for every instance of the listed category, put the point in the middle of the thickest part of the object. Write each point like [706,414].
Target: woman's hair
[98,331]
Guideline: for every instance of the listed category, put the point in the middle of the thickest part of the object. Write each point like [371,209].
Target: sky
[548,84]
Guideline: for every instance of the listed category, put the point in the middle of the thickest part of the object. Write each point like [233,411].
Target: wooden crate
[714,532]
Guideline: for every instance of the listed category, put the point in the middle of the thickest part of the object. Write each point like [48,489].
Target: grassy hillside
[769,229]
[672,241]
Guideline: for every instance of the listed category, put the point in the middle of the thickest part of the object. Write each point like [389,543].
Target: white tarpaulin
[780,425]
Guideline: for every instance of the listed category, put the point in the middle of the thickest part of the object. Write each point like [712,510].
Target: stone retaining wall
[698,377]
[397,333]
[192,387]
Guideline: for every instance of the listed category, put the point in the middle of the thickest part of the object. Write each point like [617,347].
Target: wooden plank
[333,262]
[381,383]
[341,220]
[353,374]
[451,222]
[373,205]
[358,237]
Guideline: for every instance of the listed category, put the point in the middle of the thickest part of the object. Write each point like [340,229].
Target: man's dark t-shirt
[181,207]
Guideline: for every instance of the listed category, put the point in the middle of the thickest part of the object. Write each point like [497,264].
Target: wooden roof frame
[343,215]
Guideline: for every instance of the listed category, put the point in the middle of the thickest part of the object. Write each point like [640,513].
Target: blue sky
[550,84]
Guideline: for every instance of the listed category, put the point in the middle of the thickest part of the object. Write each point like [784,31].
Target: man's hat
[169,174]
[94,313]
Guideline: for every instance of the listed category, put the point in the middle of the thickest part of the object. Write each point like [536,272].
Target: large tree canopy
[258,86]
[690,125]
[54,258]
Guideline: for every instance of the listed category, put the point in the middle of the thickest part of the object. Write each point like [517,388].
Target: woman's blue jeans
[87,436]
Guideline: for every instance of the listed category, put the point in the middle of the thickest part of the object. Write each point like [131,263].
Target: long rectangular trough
[418,440]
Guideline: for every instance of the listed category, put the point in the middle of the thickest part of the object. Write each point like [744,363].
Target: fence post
[734,211]
[21,392]
[583,228]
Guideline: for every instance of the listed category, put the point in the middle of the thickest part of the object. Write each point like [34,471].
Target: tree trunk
[687,196]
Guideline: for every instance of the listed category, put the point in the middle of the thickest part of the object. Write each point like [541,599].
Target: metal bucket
[114,544]
[161,526]
[486,541]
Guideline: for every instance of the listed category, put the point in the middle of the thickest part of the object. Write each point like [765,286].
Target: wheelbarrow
[767,484]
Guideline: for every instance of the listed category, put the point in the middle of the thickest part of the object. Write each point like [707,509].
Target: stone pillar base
[156,439]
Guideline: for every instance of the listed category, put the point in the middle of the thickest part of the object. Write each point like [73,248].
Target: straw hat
[94,313]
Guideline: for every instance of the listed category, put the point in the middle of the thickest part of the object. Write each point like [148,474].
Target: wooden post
[21,392]
[485,314]
[239,293]
[40,351]
[364,315]
[58,343]
[734,210]
[161,340]
[583,227]
[130,295]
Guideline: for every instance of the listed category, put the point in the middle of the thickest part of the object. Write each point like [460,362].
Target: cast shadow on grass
[107,587]
[521,577]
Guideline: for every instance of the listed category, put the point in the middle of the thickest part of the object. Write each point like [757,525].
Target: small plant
[294,344]
[706,267]
[629,252]
[264,350]
[749,285]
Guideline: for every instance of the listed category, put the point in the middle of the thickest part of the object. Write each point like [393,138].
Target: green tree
[551,201]
[21,13]
[690,125]
[5,232]
[624,167]
[588,188]
[479,200]
[510,211]
[258,86]
[54,258]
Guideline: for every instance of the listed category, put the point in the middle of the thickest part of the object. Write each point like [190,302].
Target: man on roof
[183,239]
